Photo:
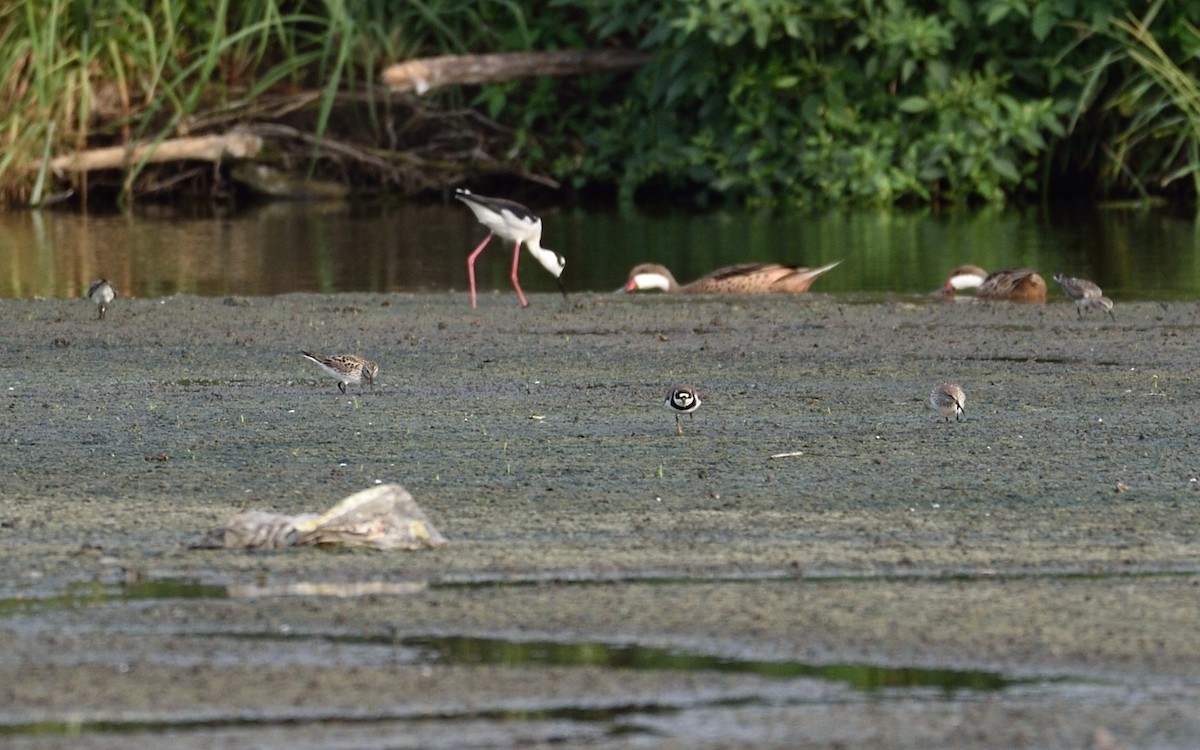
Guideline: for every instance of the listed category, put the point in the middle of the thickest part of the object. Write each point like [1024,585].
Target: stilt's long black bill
[562,288]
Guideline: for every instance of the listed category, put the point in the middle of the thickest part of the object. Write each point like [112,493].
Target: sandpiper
[515,223]
[682,399]
[746,278]
[347,368]
[1011,284]
[1086,294]
[101,292]
[948,399]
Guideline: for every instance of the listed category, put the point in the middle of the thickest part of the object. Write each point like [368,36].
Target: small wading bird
[948,399]
[101,292]
[517,224]
[347,368]
[682,400]
[1086,295]
[1011,284]
[746,278]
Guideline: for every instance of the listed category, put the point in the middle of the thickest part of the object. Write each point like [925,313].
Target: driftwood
[428,73]
[420,75]
[236,144]
[383,517]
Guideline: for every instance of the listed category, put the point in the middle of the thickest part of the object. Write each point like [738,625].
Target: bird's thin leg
[678,426]
[471,264]
[516,284]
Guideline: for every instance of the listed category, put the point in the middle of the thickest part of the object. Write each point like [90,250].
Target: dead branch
[428,73]
[236,144]
[326,144]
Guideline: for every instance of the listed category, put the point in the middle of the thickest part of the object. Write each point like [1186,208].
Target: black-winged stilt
[513,222]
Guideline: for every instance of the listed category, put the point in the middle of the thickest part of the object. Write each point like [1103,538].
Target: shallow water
[475,650]
[343,247]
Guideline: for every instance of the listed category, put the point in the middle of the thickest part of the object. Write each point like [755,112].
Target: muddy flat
[820,560]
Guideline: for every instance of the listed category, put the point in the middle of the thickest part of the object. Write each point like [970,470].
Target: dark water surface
[340,247]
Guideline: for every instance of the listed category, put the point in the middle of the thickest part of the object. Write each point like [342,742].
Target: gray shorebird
[746,278]
[347,368]
[1086,295]
[101,292]
[517,224]
[949,400]
[1010,284]
[682,399]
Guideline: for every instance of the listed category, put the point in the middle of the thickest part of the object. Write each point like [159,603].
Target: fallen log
[426,73]
[236,144]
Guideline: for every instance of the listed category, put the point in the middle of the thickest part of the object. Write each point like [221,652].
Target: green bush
[838,101]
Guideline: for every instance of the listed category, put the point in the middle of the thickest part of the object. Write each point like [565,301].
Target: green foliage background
[879,101]
[830,102]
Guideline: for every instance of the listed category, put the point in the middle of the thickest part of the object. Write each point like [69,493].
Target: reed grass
[78,75]
[1161,104]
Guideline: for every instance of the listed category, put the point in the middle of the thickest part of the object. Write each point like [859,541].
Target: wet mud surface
[1027,577]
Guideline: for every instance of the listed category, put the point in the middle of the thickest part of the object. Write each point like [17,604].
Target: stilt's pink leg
[516,285]
[471,264]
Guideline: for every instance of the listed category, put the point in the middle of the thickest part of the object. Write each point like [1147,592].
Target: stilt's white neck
[550,260]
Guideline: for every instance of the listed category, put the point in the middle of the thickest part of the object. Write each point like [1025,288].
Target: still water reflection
[288,247]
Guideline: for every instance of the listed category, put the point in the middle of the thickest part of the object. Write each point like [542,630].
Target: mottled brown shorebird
[1086,295]
[949,400]
[1011,284]
[746,278]
[347,368]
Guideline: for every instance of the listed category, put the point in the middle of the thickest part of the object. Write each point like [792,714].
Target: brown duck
[746,278]
[1011,284]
